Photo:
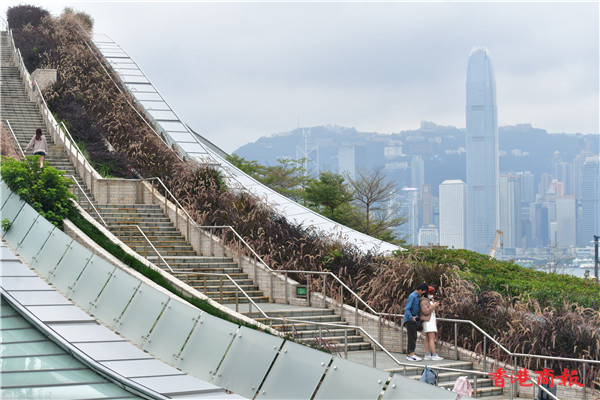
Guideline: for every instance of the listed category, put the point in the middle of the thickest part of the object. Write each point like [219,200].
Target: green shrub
[45,189]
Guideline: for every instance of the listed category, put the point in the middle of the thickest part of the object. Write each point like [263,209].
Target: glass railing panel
[114,298]
[34,241]
[141,314]
[51,252]
[296,373]
[402,388]
[5,193]
[206,346]
[166,342]
[350,380]
[21,226]
[91,282]
[11,208]
[247,361]
[70,267]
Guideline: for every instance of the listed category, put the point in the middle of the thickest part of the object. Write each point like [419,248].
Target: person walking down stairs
[39,145]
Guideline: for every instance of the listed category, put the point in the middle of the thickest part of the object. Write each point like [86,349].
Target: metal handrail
[15,137]
[88,199]
[147,240]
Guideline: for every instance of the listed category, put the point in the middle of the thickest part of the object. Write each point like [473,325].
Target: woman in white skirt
[428,307]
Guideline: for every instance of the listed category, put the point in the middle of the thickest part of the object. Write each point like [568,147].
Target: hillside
[522,148]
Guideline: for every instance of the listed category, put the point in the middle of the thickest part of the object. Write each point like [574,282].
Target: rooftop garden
[525,310]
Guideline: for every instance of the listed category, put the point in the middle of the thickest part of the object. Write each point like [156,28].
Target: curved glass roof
[196,147]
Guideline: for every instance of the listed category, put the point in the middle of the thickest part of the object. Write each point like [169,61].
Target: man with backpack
[411,320]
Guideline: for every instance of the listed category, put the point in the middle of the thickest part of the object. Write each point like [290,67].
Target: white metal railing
[15,137]
[146,243]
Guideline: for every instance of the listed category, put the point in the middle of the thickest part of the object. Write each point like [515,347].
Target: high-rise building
[427,200]
[417,172]
[527,187]
[409,200]
[428,235]
[510,209]
[350,159]
[590,198]
[453,214]
[482,152]
[578,164]
[566,219]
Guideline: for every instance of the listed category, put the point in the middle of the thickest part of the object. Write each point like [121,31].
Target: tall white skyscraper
[350,159]
[590,198]
[565,221]
[453,214]
[482,152]
[417,172]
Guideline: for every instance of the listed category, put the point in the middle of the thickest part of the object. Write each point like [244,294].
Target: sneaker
[435,357]
[427,357]
[413,358]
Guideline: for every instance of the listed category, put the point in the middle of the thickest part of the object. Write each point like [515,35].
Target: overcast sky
[238,71]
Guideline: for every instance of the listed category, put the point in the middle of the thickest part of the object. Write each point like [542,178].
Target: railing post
[272,293]
[320,332]
[285,285]
[240,253]
[237,299]
[221,288]
[204,278]
[211,242]
[256,272]
[342,302]
[584,383]
[484,353]
[374,356]
[346,343]
[324,291]
[308,288]
[355,311]
[475,387]
[456,341]
[380,330]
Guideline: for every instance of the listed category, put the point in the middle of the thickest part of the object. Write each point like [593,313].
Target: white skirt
[430,326]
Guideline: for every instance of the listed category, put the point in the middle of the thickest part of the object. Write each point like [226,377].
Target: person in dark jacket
[411,320]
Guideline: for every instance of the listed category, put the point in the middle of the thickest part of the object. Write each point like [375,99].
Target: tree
[286,178]
[375,211]
[327,194]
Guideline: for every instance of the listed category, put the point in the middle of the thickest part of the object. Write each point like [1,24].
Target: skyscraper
[510,209]
[590,198]
[453,214]
[482,152]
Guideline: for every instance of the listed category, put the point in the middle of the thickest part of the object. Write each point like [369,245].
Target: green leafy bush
[46,189]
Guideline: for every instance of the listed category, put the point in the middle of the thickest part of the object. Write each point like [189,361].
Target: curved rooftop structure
[196,147]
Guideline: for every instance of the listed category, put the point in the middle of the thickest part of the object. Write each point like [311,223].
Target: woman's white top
[430,326]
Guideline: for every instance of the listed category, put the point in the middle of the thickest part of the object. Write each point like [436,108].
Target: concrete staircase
[24,116]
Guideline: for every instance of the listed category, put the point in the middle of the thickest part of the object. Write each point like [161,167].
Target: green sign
[301,290]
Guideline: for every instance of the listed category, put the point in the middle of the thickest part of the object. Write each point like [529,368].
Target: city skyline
[235,72]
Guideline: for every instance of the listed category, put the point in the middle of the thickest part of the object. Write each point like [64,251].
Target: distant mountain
[522,148]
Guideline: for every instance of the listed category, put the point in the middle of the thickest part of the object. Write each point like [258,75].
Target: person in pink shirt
[39,145]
